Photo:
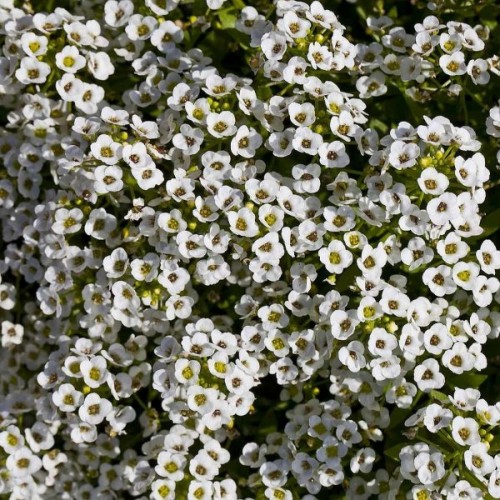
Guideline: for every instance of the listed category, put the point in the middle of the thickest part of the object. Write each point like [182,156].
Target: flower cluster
[243,283]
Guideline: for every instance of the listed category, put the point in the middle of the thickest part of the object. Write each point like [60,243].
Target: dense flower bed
[249,250]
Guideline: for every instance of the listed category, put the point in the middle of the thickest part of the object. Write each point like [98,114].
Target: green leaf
[464,380]
[398,416]
[490,223]
[440,396]
[490,23]
[495,444]
[227,18]
[346,278]
[199,7]
[393,13]
[393,452]
[379,124]
[361,12]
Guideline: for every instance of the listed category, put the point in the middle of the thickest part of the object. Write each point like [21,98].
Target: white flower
[100,224]
[465,399]
[31,70]
[478,461]
[343,324]
[40,437]
[465,431]
[67,221]
[166,35]
[385,368]
[453,64]
[108,179]
[429,467]
[178,307]
[246,142]
[274,45]
[117,13]
[403,155]
[202,490]
[340,219]
[281,143]
[162,489]
[34,45]
[181,189]
[295,26]
[307,178]
[416,253]
[140,27]
[373,85]
[238,382]
[372,260]
[221,124]
[436,417]
[145,268]
[458,359]
[306,141]
[116,264]
[465,273]
[11,439]
[489,414]
[471,40]
[273,316]
[437,339]
[320,57]
[450,42]
[124,295]
[352,356]
[218,417]
[381,343]
[84,433]
[67,398]
[335,257]
[12,334]
[200,399]
[70,60]
[302,115]
[452,248]
[478,71]
[23,464]
[333,155]
[268,247]
[147,129]
[317,13]
[94,409]
[427,375]
[472,172]
[343,126]
[88,97]
[439,280]
[401,394]
[488,257]
[94,371]
[148,177]
[188,140]
[433,182]
[212,270]
[171,465]
[106,150]
[347,433]
[394,302]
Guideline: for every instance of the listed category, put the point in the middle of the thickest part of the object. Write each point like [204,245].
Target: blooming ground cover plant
[249,250]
